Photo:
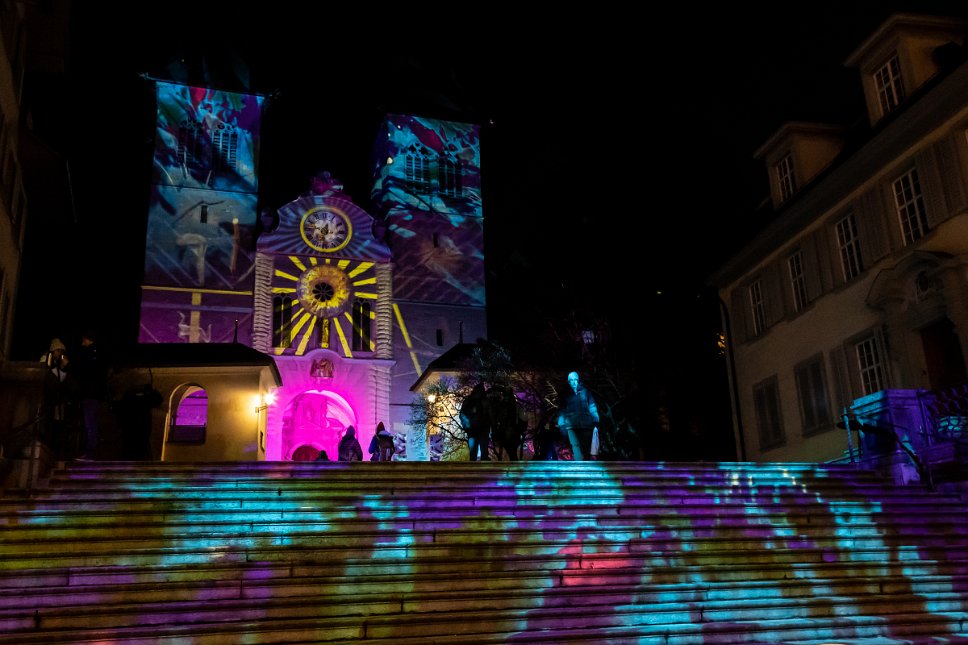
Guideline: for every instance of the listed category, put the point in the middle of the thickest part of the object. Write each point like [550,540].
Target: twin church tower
[351,301]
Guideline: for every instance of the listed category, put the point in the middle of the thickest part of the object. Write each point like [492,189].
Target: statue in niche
[321,368]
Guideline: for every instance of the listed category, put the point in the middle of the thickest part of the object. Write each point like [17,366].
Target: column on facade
[262,304]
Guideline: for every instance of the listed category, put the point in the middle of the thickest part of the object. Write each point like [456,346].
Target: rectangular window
[757,308]
[812,391]
[766,399]
[910,206]
[869,365]
[281,321]
[785,178]
[887,81]
[851,262]
[798,283]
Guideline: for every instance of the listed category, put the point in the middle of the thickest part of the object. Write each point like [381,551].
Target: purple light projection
[198,271]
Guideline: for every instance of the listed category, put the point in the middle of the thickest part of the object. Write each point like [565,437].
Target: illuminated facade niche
[323,309]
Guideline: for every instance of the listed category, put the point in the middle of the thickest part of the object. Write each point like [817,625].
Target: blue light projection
[668,547]
[200,241]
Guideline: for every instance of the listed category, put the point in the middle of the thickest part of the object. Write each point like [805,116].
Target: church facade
[350,304]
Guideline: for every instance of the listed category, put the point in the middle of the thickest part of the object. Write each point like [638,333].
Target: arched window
[190,417]
[417,169]
[449,177]
[361,326]
[191,144]
[281,321]
[215,151]
[225,148]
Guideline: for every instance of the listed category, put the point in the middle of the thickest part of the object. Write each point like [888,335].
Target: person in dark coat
[381,447]
[506,424]
[349,446]
[476,422]
[91,379]
[59,401]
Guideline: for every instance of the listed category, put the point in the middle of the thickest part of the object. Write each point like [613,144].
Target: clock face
[326,228]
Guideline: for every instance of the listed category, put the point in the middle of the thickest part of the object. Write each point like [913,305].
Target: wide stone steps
[547,552]
[347,605]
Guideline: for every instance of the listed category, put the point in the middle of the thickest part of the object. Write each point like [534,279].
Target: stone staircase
[481,552]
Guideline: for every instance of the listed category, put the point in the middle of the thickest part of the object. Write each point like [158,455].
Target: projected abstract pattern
[200,240]
[206,138]
[427,181]
[698,550]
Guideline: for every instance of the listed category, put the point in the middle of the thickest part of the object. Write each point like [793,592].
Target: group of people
[75,385]
[381,446]
[494,414]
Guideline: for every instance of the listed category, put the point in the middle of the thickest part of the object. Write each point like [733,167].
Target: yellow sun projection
[324,292]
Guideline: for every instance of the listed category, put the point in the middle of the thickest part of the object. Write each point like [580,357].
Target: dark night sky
[617,151]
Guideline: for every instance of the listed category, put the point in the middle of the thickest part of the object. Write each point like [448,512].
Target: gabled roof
[196,355]
[450,361]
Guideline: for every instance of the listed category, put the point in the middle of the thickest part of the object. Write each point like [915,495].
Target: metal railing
[23,441]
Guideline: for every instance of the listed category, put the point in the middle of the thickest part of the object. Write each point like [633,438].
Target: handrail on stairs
[20,438]
[851,421]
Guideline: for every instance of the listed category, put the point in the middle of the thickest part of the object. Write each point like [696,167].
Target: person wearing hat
[56,397]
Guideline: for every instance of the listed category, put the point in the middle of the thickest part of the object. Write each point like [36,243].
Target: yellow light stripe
[403,326]
[303,318]
[288,276]
[298,262]
[406,338]
[363,266]
[225,292]
[364,294]
[343,264]
[305,339]
[342,336]
[358,283]
[283,289]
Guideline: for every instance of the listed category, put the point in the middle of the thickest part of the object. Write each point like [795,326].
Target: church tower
[427,188]
[199,247]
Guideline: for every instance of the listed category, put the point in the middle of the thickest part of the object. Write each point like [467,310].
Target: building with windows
[31,49]
[850,306]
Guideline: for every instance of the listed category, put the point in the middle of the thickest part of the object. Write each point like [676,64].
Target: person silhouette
[58,398]
[506,424]
[381,446]
[91,381]
[578,418]
[349,448]
[476,422]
